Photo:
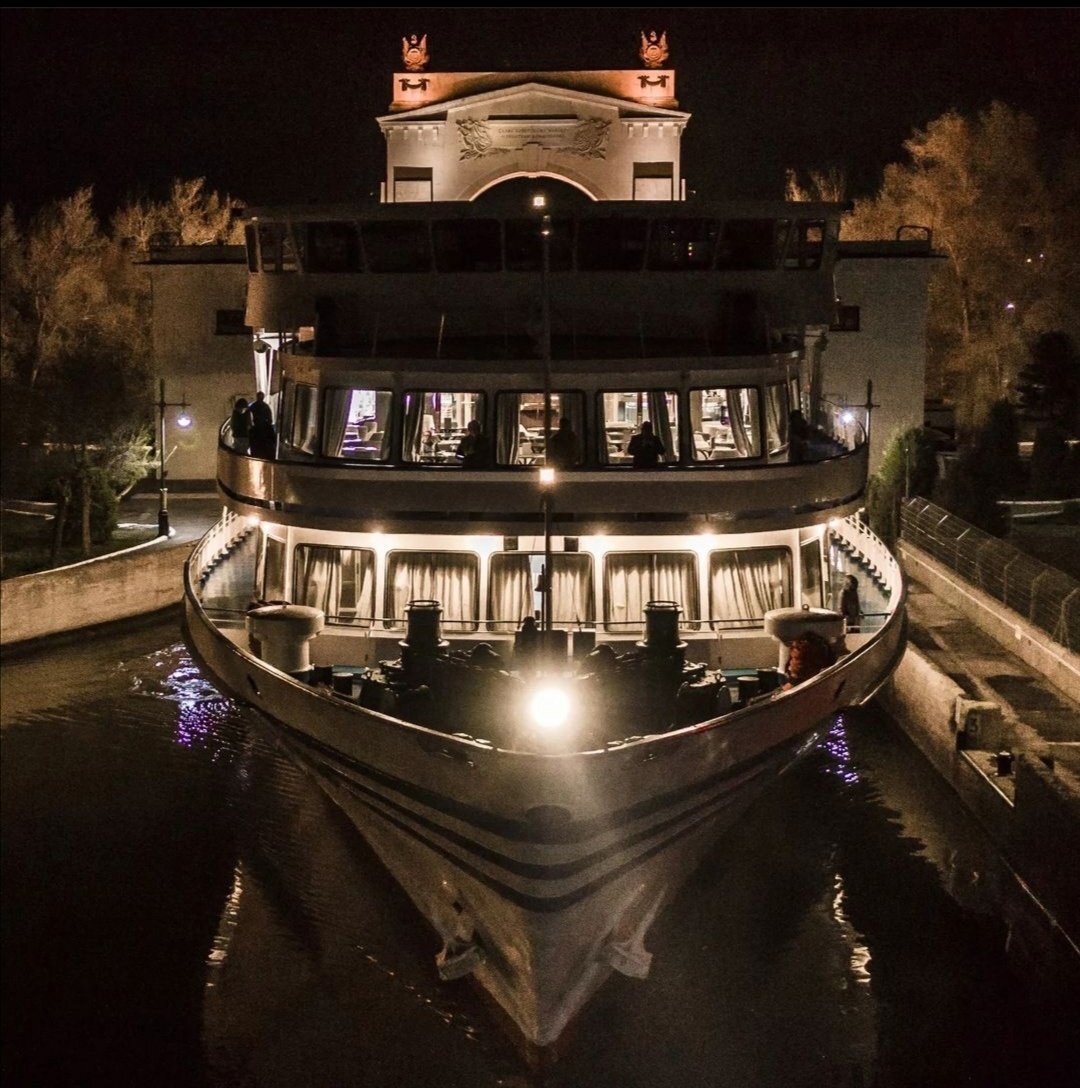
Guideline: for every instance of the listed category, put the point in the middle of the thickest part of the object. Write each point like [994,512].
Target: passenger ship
[541,797]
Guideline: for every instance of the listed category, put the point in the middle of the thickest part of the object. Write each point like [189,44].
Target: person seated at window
[564,446]
[646,448]
[474,450]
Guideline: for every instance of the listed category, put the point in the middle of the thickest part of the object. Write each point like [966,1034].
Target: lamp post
[182,420]
[547,486]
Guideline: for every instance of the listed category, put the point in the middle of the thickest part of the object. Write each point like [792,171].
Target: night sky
[278,104]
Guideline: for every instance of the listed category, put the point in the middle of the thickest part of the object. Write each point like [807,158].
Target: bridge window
[623,413]
[471,245]
[515,589]
[807,243]
[744,583]
[332,247]
[276,250]
[356,424]
[678,244]
[397,246]
[725,423]
[632,579]
[451,578]
[524,247]
[436,422]
[611,245]
[301,413]
[340,581]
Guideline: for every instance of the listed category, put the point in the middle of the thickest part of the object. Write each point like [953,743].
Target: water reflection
[184,907]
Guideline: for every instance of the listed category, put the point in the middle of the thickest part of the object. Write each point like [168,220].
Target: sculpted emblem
[476,139]
[589,139]
[414,53]
[654,50]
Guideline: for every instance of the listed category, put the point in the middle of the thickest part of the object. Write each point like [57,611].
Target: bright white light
[547,477]
[549,707]
[183,420]
[253,520]
[847,417]
[539,200]
[1010,305]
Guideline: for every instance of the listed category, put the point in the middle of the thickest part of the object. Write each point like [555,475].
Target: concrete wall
[113,587]
[1002,624]
[200,366]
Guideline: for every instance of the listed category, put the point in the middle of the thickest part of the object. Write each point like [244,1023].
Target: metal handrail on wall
[1048,598]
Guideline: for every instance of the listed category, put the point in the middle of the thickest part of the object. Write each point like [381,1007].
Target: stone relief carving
[589,140]
[654,50]
[414,53]
[476,139]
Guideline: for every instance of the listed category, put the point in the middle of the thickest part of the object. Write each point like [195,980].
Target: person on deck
[646,448]
[263,435]
[474,450]
[563,453]
[850,608]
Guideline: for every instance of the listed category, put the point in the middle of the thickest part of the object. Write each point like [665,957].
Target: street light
[183,420]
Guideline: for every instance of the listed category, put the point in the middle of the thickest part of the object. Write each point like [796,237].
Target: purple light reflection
[835,744]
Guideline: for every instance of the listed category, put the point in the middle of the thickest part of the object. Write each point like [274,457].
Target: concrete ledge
[113,587]
[1013,631]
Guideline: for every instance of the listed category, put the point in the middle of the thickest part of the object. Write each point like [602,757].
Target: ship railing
[230,529]
[835,425]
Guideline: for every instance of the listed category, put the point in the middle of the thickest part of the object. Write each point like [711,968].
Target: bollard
[1004,764]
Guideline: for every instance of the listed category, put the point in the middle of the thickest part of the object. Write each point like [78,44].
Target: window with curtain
[813,585]
[435,423]
[519,420]
[725,423]
[356,424]
[622,414]
[451,578]
[514,589]
[744,583]
[303,422]
[340,581]
[632,579]
[776,417]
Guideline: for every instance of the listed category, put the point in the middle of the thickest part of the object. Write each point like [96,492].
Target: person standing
[563,453]
[646,448]
[263,436]
[850,608]
[474,450]
[240,425]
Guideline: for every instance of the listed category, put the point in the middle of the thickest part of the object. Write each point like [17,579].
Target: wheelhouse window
[519,428]
[396,246]
[807,244]
[340,581]
[301,417]
[744,583]
[524,245]
[776,417]
[747,244]
[451,578]
[622,414]
[332,247]
[435,423]
[677,245]
[276,251]
[356,424]
[725,423]
[515,589]
[633,579]
[471,245]
[611,245]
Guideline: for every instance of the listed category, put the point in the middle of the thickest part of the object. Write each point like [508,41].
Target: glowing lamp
[549,708]
[539,200]
[547,477]
[847,417]
[183,420]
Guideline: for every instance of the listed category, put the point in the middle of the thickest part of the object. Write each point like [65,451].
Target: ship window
[270,564]
[748,244]
[611,245]
[725,424]
[303,418]
[340,581]
[776,417]
[744,583]
[632,579]
[524,245]
[515,589]
[682,244]
[436,422]
[471,245]
[332,247]
[519,427]
[623,413]
[451,578]
[397,246]
[807,243]
[356,424]
[813,586]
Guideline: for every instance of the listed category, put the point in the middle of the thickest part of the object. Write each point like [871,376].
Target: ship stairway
[864,564]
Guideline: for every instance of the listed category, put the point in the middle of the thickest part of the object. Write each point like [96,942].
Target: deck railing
[1045,596]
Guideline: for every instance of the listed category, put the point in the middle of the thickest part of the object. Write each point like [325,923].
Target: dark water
[183,908]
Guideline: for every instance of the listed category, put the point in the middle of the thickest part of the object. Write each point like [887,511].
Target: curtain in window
[674,578]
[272,569]
[414,415]
[340,581]
[335,419]
[632,580]
[738,406]
[572,601]
[661,421]
[508,428]
[776,420]
[510,598]
[446,577]
[746,583]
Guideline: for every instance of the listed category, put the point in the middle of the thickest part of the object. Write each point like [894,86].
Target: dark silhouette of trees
[1049,386]
[908,468]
